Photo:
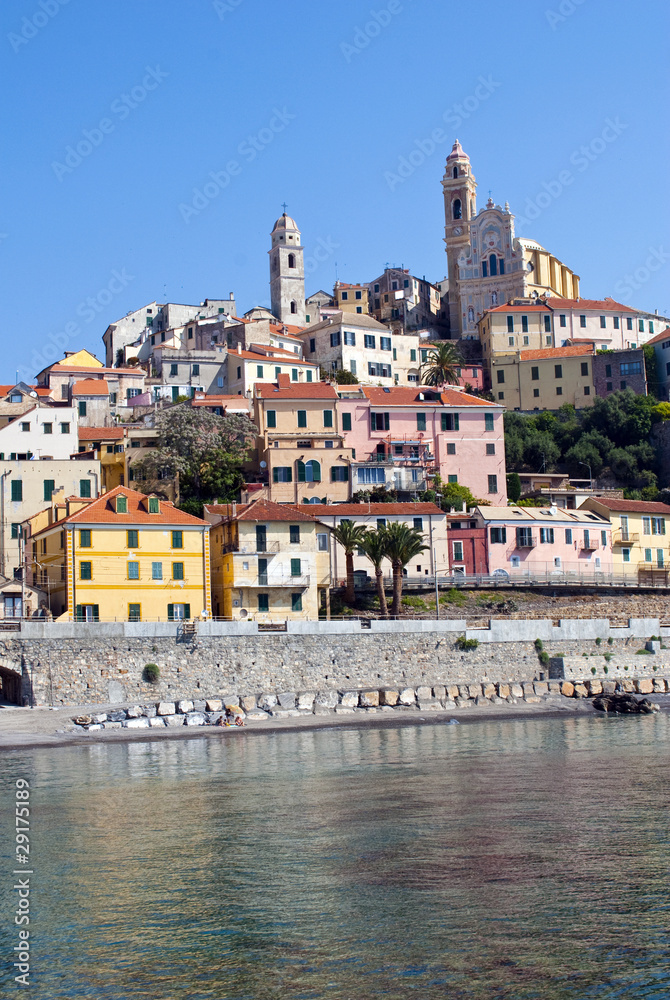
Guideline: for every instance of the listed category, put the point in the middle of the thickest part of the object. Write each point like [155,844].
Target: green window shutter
[302,418]
[275,475]
[85,538]
[85,488]
[175,393]
[295,567]
[96,612]
[154,505]
[271,418]
[49,487]
[170,612]
[17,490]
[309,375]
[187,611]
[133,538]
[444,421]
[121,504]
[277,372]
[421,421]
[301,471]
[178,571]
[346,421]
[259,371]
[316,470]
[327,418]
[296,602]
[456,422]
[177,539]
[79,613]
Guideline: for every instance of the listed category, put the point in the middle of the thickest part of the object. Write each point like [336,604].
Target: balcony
[625,538]
[526,541]
[250,549]
[276,580]
[589,545]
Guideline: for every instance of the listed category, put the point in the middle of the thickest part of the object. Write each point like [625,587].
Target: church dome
[457,153]
[285,222]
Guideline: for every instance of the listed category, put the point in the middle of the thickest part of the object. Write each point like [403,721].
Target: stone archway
[11,686]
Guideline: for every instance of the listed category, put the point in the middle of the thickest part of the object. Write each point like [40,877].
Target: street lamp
[587,466]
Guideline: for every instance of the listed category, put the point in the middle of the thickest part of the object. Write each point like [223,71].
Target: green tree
[402,545]
[651,370]
[205,451]
[378,494]
[343,377]
[513,486]
[350,536]
[374,546]
[441,364]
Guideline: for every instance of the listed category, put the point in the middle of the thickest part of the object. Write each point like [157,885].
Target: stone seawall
[89,668]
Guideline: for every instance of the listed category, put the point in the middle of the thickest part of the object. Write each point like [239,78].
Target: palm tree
[402,544]
[374,546]
[441,365]
[350,536]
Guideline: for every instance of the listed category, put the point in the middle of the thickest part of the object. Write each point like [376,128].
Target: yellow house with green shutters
[122,557]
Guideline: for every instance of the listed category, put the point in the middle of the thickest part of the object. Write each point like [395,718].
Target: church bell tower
[287,272]
[460,208]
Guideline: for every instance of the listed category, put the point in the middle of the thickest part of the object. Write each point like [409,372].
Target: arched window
[485,270]
[493,264]
[309,472]
[458,213]
[455,172]
[291,260]
[294,307]
[502,265]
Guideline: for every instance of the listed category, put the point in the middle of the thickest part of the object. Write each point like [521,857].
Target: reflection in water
[502,860]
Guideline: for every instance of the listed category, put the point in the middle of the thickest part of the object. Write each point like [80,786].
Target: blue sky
[319,105]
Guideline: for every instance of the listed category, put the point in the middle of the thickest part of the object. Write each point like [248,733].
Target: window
[452,478]
[25,426]
[322,541]
[49,487]
[418,523]
[352,366]
[493,484]
[296,602]
[498,536]
[85,488]
[582,321]
[294,307]
[485,270]
[346,421]
[490,449]
[132,539]
[629,323]
[616,322]
[488,421]
[16,530]
[631,368]
[524,538]
[85,571]
[547,324]
[271,418]
[421,421]
[177,571]
[536,393]
[345,296]
[558,371]
[309,472]
[457,549]
[308,374]
[526,341]
[312,345]
[587,390]
[626,555]
[366,476]
[370,341]
[450,421]
[121,504]
[17,490]
[47,428]
[154,505]
[510,341]
[585,367]
[562,320]
[177,539]
[296,569]
[608,371]
[291,260]
[327,418]
[294,374]
[339,474]
[379,370]
[349,338]
[282,474]
[85,538]
[157,571]
[547,536]
[524,324]
[603,322]
[385,345]
[379,421]
[500,376]
[659,558]
[559,390]
[535,374]
[510,324]
[259,371]
[640,325]
[451,448]
[335,339]
[133,571]
[263,602]
[294,534]
[178,612]
[65,428]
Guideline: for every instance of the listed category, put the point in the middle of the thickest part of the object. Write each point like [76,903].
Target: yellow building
[268,560]
[544,379]
[107,444]
[519,325]
[300,447]
[122,557]
[262,363]
[351,298]
[639,539]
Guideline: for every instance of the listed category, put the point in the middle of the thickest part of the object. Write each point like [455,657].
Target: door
[261,538]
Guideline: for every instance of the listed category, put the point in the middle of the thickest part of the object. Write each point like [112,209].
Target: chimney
[239,347]
[283,381]
[234,509]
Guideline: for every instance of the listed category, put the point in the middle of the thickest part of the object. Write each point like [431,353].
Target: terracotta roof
[297,390]
[90,387]
[663,335]
[596,304]
[286,331]
[640,506]
[521,309]
[74,369]
[102,511]
[101,433]
[38,390]
[259,510]
[344,284]
[363,509]
[401,395]
[573,351]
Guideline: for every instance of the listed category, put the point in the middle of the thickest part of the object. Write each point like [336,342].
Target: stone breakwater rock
[516,691]
[370,699]
[440,692]
[389,697]
[595,687]
[84,720]
[349,699]
[166,708]
[541,688]
[248,702]
[609,687]
[268,701]
[659,685]
[452,692]
[113,725]
[324,700]
[489,690]
[624,704]
[306,700]
[184,707]
[286,699]
[158,722]
[257,715]
[285,713]
[134,712]
[424,694]
[99,717]
[431,705]
[503,690]
[581,691]
[136,723]
[200,706]
[195,719]
[407,697]
[174,720]
[214,705]
[568,689]
[645,686]
[149,711]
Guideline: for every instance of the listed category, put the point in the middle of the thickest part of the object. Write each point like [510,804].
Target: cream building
[487,263]
[544,379]
[640,537]
[263,363]
[364,347]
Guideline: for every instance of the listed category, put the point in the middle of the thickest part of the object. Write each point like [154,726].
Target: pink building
[402,435]
[546,541]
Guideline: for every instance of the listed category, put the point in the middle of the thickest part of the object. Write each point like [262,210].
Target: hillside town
[372,411]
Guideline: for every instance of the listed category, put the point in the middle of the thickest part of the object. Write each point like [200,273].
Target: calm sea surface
[520,860]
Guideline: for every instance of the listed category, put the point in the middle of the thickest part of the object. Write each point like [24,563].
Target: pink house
[403,435]
[546,541]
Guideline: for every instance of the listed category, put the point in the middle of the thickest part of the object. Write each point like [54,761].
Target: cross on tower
[284,206]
